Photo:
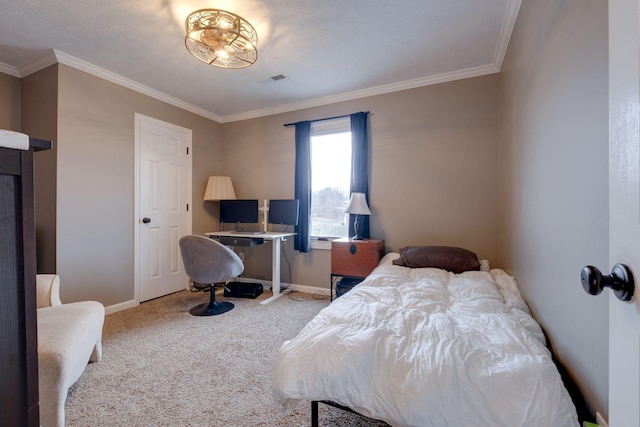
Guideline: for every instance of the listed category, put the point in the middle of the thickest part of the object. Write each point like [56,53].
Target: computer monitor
[239,211]
[284,211]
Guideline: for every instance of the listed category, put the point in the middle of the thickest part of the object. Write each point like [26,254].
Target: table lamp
[357,206]
[219,188]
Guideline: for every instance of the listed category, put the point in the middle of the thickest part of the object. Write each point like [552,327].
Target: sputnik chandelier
[220,38]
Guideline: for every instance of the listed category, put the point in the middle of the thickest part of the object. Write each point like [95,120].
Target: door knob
[620,281]
[146,220]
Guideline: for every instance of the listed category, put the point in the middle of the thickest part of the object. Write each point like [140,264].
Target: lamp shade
[219,188]
[358,205]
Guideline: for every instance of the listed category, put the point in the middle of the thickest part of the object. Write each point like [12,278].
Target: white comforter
[425,347]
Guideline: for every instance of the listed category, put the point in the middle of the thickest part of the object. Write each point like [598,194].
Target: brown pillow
[455,260]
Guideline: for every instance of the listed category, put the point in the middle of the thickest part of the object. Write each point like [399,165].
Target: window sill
[323,245]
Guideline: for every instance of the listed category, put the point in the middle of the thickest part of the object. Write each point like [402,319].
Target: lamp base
[356,229]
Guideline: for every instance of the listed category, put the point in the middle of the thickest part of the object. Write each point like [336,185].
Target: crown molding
[31,67]
[81,65]
[363,93]
[508,23]
[9,69]
[56,56]
[38,64]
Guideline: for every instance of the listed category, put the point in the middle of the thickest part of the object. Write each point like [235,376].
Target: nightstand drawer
[355,257]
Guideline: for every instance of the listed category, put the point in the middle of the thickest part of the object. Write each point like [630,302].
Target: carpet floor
[163,367]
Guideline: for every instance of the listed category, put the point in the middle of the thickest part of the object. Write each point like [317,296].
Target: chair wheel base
[211,309]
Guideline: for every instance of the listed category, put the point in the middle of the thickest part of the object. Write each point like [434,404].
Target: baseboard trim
[292,286]
[266,283]
[310,289]
[120,306]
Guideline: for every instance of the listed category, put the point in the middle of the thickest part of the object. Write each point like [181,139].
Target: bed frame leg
[314,413]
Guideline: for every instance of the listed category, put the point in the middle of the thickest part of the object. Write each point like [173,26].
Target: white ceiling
[329,50]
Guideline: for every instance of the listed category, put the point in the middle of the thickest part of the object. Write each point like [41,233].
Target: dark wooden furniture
[18,328]
[353,260]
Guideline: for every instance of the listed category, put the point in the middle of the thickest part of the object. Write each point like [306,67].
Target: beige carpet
[163,367]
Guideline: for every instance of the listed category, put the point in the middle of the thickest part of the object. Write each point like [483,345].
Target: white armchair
[69,336]
[47,290]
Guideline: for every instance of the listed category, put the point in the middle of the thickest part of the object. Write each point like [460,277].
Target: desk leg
[275,270]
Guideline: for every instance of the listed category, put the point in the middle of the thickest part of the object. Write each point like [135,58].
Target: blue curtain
[302,241]
[360,167]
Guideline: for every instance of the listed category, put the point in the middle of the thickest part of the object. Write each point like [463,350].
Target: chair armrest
[47,290]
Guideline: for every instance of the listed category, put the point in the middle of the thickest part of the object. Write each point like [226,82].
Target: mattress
[426,347]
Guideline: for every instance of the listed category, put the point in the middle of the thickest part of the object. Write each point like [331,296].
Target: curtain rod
[326,118]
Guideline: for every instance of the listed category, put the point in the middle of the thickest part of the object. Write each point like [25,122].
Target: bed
[431,337]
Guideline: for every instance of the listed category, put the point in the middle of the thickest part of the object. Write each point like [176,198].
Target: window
[330,177]
[332,162]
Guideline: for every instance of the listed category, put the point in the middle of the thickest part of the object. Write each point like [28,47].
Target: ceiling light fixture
[220,38]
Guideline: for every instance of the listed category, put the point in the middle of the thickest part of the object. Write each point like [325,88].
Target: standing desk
[275,237]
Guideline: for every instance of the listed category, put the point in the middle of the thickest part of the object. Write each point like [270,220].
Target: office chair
[209,262]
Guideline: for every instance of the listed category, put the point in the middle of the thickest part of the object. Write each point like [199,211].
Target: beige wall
[29,105]
[433,174]
[9,102]
[554,158]
[85,185]
[433,177]
[95,226]
[39,120]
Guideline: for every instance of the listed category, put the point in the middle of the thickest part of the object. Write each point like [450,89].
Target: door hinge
[187,151]
[187,207]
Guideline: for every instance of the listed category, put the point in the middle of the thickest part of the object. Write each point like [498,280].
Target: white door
[624,208]
[163,206]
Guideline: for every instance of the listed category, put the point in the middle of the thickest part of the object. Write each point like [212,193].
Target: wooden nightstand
[353,260]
